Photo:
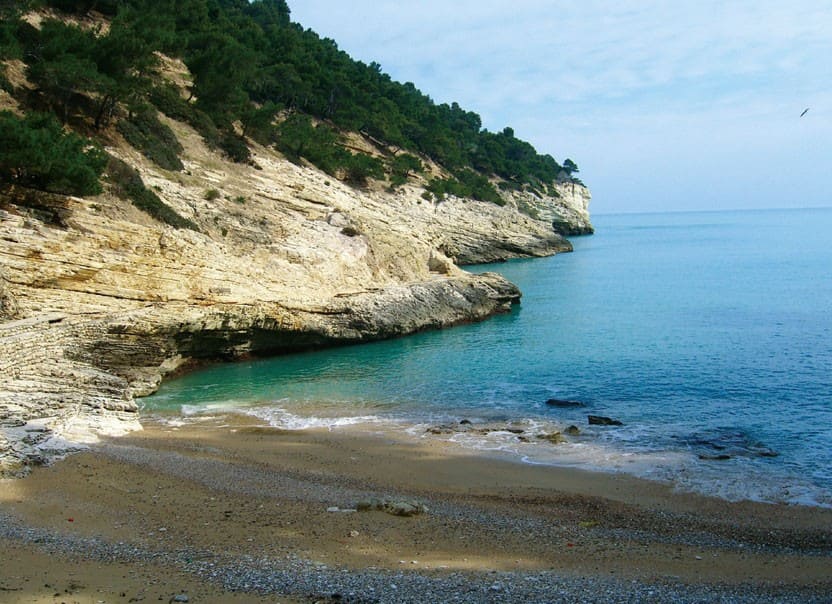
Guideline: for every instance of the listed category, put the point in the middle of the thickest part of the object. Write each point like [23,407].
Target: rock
[180,598]
[715,457]
[573,430]
[600,420]
[555,438]
[443,429]
[395,507]
[99,301]
[563,403]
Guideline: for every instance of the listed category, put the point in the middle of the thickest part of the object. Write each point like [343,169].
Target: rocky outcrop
[98,301]
[567,211]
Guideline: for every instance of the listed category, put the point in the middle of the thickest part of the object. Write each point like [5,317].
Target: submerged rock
[564,403]
[716,457]
[600,420]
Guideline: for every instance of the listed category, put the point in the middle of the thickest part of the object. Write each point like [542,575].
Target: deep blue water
[707,334]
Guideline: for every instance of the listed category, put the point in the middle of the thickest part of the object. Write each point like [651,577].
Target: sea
[708,335]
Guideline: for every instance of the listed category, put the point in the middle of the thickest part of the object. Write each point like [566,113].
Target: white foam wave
[281,418]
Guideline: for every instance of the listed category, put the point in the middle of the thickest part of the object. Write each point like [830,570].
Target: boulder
[600,420]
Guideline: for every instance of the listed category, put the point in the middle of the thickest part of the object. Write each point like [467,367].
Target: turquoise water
[707,334]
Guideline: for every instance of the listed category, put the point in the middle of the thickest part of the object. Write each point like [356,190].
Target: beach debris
[354,533]
[600,420]
[335,509]
[564,403]
[179,598]
[395,507]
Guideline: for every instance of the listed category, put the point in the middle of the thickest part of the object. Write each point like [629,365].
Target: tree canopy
[287,86]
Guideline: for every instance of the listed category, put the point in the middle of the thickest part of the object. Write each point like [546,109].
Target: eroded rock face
[568,212]
[98,301]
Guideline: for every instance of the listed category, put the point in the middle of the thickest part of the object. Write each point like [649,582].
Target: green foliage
[466,183]
[9,45]
[107,7]
[63,65]
[36,152]
[211,195]
[235,147]
[165,97]
[127,184]
[249,62]
[298,137]
[258,122]
[358,168]
[570,167]
[154,139]
[401,166]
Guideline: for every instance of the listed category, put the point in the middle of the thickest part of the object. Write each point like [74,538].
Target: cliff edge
[98,301]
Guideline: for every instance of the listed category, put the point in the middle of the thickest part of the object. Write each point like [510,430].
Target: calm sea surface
[709,335]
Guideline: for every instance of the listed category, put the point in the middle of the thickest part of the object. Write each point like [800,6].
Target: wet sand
[231,511]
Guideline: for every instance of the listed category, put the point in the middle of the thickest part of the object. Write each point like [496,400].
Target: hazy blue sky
[689,104]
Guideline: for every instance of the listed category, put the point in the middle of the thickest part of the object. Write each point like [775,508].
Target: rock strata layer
[98,301]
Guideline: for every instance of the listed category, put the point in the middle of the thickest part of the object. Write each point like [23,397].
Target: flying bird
[805,111]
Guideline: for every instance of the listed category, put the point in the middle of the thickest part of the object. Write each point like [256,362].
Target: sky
[663,104]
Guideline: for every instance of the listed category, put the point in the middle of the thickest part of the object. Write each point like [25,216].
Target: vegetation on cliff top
[255,75]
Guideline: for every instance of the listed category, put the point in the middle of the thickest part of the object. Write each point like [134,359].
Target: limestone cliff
[98,301]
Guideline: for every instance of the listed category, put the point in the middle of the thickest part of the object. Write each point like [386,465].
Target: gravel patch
[293,576]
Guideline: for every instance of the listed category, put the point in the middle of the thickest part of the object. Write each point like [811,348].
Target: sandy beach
[230,511]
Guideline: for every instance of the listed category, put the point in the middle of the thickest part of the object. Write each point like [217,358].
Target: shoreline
[534,440]
[253,502]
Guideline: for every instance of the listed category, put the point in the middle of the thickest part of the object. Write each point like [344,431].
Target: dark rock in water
[573,430]
[765,452]
[726,443]
[465,422]
[563,403]
[600,420]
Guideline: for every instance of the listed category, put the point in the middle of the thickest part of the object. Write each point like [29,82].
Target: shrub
[401,166]
[467,184]
[154,139]
[166,98]
[235,147]
[36,152]
[359,167]
[211,195]
[127,184]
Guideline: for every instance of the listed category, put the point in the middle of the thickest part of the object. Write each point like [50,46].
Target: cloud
[570,76]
